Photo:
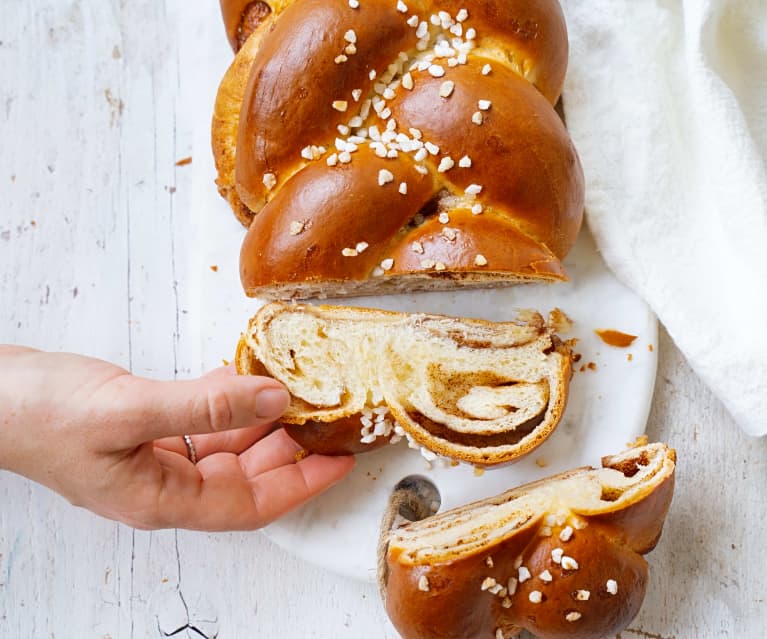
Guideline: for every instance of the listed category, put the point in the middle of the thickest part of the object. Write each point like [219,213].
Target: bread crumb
[649,347]
[559,321]
[541,462]
[591,366]
[301,454]
[629,357]
[184,161]
[611,337]
[214,268]
[225,362]
[638,442]
[478,471]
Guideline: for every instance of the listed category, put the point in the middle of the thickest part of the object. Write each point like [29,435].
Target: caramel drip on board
[611,337]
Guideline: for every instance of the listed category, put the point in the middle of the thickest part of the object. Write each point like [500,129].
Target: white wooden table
[95,255]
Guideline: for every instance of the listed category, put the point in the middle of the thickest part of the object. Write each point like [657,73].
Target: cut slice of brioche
[477,391]
[561,557]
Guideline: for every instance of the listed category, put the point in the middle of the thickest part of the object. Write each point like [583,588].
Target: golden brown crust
[226,117]
[494,237]
[242,18]
[334,213]
[341,437]
[294,81]
[593,588]
[277,100]
[456,606]
[521,154]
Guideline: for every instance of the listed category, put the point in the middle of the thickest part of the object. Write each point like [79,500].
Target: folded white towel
[666,101]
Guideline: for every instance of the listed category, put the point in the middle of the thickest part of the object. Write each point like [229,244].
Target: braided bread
[390,145]
[472,390]
[561,557]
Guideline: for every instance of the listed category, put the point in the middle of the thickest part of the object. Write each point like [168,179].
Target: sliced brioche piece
[561,557]
[477,391]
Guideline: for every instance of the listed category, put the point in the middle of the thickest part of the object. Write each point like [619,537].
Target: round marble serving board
[608,406]
[610,396]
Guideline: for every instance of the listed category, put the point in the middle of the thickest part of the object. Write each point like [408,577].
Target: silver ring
[191,451]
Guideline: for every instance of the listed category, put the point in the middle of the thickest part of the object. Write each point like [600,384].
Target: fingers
[217,495]
[230,441]
[275,450]
[210,404]
[279,491]
[12,349]
[222,371]
[215,501]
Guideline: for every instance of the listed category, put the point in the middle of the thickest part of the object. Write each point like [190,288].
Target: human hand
[112,442]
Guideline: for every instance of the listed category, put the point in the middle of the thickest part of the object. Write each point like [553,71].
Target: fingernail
[272,402]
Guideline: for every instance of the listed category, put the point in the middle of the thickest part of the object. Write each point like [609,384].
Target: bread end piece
[561,557]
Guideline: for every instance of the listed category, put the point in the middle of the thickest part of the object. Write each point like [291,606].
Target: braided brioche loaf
[561,557]
[390,145]
[481,392]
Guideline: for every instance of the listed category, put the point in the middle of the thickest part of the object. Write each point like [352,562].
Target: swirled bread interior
[472,390]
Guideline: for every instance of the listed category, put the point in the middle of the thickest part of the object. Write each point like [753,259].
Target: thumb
[207,405]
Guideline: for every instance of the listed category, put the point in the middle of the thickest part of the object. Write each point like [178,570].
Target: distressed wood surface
[95,251]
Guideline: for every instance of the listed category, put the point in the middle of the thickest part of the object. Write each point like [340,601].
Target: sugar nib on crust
[561,557]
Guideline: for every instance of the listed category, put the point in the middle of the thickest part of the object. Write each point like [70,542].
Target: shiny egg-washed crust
[604,520]
[371,345]
[243,17]
[276,99]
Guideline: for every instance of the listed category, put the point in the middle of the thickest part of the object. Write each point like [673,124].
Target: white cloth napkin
[666,101]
